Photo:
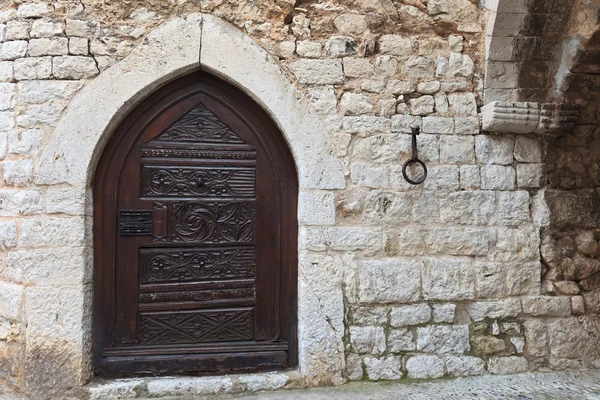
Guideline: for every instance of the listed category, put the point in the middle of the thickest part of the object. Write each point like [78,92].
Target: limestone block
[357,67]
[507,365]
[16,202]
[17,30]
[529,175]
[371,85]
[462,104]
[3,144]
[7,96]
[575,337]
[2,32]
[351,24]
[415,314]
[456,43]
[403,123]
[457,149]
[6,71]
[11,300]
[428,87]
[369,175]
[41,28]
[441,103]
[476,207]
[443,339]
[460,66]
[470,178]
[320,72]
[423,105]
[49,47]
[444,312]
[547,306]
[78,46]
[466,125]
[342,238]
[465,366]
[384,148]
[13,50]
[494,149]
[388,368]
[498,177]
[401,340]
[419,67]
[39,92]
[425,208]
[383,207]
[389,280]
[74,67]
[117,389]
[33,10]
[17,173]
[513,208]
[448,279]
[438,125]
[323,99]
[67,200]
[48,266]
[486,345]
[366,123]
[81,28]
[26,142]
[528,150]
[425,367]
[577,305]
[386,65]
[316,207]
[491,280]
[354,367]
[340,46]
[8,234]
[566,287]
[494,309]
[308,49]
[40,114]
[7,120]
[395,45]
[355,103]
[192,386]
[517,244]
[396,86]
[445,241]
[33,68]
[518,343]
[442,177]
[370,315]
[367,339]
[42,232]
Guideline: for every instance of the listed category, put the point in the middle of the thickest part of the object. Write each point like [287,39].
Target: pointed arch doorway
[195,237]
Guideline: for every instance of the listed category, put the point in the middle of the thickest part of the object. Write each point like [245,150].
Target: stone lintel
[528,117]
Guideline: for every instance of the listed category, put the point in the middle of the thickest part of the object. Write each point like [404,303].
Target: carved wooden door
[195,237]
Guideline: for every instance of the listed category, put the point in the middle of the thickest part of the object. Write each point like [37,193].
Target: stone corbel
[528,117]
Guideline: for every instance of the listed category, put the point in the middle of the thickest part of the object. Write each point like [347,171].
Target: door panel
[195,245]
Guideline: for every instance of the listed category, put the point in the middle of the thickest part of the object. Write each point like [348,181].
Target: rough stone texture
[388,368]
[389,281]
[507,365]
[443,339]
[425,367]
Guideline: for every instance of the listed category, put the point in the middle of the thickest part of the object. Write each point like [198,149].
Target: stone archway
[175,48]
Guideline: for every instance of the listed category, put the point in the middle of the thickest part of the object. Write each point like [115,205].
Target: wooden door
[195,237]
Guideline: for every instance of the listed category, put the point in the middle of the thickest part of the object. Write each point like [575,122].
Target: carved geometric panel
[213,222]
[177,265]
[199,181]
[189,327]
[199,126]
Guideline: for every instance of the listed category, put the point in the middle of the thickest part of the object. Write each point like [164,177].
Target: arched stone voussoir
[170,50]
[230,54]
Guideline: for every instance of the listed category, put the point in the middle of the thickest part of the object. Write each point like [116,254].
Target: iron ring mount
[414,160]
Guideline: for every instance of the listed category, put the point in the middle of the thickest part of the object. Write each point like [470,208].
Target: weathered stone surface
[323,99]
[33,68]
[74,67]
[38,92]
[457,149]
[367,339]
[577,305]
[419,67]
[466,125]
[342,238]
[513,208]
[573,337]
[507,365]
[42,28]
[369,175]
[465,366]
[308,49]
[388,368]
[486,345]
[442,339]
[445,241]
[438,125]
[497,177]
[395,45]
[448,279]
[13,50]
[320,72]
[401,340]
[410,315]
[425,367]
[468,207]
[389,281]
[494,149]
[423,105]
[366,123]
[18,173]
[397,86]
[546,306]
[529,175]
[528,150]
[462,104]
[354,103]
[352,24]
[11,300]
[536,338]
[494,309]
[443,313]
[357,67]
[340,46]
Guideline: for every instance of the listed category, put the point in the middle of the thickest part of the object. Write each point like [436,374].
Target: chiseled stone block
[465,366]
[448,278]
[320,72]
[442,339]
[388,368]
[415,314]
[392,280]
[507,365]
[505,308]
[425,367]
[367,339]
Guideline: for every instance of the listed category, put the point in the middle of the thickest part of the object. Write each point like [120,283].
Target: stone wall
[442,279]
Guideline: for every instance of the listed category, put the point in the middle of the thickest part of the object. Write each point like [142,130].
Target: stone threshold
[160,387]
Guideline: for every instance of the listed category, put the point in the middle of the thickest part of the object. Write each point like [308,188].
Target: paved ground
[584,385]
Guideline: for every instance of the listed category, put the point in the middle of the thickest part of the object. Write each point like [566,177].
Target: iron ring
[410,162]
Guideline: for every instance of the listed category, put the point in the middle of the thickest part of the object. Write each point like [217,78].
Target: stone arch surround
[174,48]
